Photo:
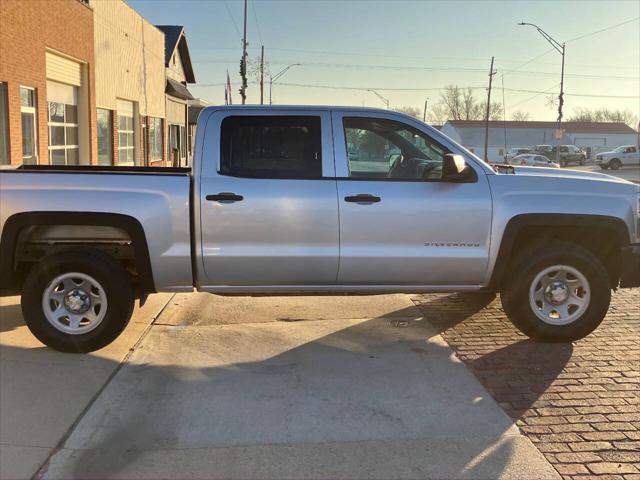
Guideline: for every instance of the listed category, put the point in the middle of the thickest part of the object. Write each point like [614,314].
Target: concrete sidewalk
[259,395]
[43,392]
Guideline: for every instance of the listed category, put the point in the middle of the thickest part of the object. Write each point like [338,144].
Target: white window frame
[156,130]
[64,124]
[33,110]
[127,109]
[130,134]
[111,113]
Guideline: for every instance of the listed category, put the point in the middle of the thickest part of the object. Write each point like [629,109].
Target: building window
[63,124]
[155,139]
[105,137]
[4,126]
[126,133]
[183,142]
[29,129]
[178,145]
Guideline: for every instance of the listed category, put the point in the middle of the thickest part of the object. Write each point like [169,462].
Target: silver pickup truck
[314,200]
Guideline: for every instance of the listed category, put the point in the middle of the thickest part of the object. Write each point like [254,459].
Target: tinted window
[271,147]
[378,148]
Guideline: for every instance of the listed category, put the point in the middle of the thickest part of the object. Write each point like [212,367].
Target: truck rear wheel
[77,301]
[558,292]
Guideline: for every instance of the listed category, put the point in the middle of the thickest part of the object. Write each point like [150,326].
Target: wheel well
[28,238]
[603,238]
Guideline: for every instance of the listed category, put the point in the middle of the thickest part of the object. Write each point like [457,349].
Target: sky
[407,51]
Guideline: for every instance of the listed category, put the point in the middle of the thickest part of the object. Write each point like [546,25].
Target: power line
[431,89]
[420,68]
[603,30]
[233,20]
[255,16]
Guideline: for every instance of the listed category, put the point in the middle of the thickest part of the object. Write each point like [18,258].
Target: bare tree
[457,103]
[253,69]
[520,116]
[603,114]
[412,111]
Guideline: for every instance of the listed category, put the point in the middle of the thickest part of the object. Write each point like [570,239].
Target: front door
[399,222]
[269,209]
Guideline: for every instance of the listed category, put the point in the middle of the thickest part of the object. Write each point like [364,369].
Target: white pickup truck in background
[314,200]
[624,156]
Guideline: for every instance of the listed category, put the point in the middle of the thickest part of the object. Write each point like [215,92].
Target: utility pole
[243,60]
[486,120]
[424,115]
[262,76]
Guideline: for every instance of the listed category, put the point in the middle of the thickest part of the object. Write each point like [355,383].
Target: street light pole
[385,100]
[275,77]
[560,48]
[424,114]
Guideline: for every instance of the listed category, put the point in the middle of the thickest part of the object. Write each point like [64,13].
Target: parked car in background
[514,152]
[568,154]
[625,155]
[534,160]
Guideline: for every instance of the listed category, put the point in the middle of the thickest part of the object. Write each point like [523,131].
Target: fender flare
[517,223]
[15,223]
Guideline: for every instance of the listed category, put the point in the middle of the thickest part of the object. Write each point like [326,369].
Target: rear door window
[271,147]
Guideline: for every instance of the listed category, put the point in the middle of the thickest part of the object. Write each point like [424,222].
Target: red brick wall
[27,28]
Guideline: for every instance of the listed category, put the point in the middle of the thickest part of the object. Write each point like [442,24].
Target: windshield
[620,149]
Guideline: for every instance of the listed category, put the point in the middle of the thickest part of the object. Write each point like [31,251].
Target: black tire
[582,160]
[604,167]
[515,296]
[615,164]
[110,274]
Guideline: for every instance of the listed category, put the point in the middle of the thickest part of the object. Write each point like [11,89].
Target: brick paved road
[579,403]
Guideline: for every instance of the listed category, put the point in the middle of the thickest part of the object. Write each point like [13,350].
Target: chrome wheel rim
[559,295]
[74,303]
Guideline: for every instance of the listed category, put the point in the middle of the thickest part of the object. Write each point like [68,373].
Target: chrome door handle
[362,198]
[225,197]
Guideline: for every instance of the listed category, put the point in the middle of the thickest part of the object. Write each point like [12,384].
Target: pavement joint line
[280,322]
[42,470]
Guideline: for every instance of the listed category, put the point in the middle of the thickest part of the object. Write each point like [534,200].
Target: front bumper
[630,275]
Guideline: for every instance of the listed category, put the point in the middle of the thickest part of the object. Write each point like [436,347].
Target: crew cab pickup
[314,200]
[626,155]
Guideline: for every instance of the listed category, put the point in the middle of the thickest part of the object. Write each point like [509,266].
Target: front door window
[386,149]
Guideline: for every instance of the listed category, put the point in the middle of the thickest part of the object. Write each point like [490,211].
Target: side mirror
[455,169]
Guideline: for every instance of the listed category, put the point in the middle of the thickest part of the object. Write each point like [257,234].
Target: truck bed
[101,169]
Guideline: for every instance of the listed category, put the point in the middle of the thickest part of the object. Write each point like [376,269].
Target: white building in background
[179,73]
[592,137]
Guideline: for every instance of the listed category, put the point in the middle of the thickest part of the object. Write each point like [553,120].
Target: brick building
[47,92]
[87,82]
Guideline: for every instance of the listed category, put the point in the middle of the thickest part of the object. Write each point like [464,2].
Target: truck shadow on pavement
[379,398]
[10,317]
[513,368]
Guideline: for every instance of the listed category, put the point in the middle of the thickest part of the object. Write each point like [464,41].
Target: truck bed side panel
[160,202]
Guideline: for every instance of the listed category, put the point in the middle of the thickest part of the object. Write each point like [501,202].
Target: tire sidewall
[113,279]
[517,304]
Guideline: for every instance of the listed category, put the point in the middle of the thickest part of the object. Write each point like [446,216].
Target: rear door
[269,210]
[399,222]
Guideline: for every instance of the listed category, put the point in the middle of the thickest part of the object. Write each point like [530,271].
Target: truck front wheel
[77,301]
[557,292]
